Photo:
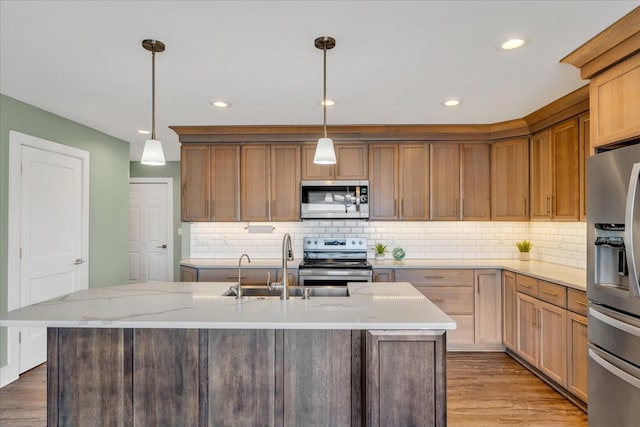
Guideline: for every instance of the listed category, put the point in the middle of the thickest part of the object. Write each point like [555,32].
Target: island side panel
[405,378]
[165,377]
[317,377]
[241,377]
[88,370]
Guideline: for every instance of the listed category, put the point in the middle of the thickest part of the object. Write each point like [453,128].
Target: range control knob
[353,242]
[308,242]
[360,242]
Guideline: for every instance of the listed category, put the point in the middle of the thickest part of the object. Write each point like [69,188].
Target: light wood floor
[483,389]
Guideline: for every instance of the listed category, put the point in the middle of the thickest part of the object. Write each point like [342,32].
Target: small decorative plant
[380,249]
[524,246]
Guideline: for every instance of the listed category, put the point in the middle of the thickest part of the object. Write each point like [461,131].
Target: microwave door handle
[631,234]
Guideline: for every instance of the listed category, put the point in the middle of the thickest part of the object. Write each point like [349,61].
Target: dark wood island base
[246,377]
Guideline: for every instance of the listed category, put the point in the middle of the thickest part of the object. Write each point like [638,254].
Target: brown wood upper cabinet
[270,182]
[383,182]
[475,182]
[210,182]
[555,173]
[510,180]
[445,181]
[413,177]
[614,99]
[352,162]
[399,181]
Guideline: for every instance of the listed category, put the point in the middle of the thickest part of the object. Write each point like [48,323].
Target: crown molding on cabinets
[570,105]
[614,44]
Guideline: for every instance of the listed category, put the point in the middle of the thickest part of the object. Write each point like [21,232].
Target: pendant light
[325,153]
[153,155]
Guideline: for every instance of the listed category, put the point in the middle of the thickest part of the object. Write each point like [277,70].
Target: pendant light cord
[153,91]
[324,84]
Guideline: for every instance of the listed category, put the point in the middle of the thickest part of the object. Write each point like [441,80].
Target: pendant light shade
[152,154]
[325,153]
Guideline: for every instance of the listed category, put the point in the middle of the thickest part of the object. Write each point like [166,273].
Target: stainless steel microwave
[334,199]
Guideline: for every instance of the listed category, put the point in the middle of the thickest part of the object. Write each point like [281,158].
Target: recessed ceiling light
[329,103]
[144,132]
[220,104]
[511,44]
[452,102]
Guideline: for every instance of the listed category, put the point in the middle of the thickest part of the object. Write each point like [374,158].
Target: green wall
[170,170]
[108,192]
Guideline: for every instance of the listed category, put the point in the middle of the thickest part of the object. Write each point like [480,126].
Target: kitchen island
[182,354]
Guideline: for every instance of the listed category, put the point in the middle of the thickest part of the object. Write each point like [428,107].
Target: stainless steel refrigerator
[613,266]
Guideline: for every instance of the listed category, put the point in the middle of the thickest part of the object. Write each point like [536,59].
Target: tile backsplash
[557,242]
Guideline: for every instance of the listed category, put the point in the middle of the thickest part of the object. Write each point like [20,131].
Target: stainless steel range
[332,261]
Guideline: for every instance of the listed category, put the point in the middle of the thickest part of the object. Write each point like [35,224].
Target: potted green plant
[380,249]
[525,248]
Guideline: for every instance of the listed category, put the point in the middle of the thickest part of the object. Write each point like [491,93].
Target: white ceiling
[394,61]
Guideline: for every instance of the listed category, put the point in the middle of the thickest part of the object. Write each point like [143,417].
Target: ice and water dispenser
[610,256]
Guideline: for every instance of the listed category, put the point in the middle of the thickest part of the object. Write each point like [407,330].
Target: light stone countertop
[571,277]
[202,306]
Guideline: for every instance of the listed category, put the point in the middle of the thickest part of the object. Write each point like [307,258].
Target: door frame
[17,140]
[169,182]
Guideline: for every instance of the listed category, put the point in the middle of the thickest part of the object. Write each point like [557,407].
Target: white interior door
[51,238]
[150,225]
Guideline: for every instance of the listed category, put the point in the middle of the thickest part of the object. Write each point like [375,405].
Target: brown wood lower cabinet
[266,377]
[547,332]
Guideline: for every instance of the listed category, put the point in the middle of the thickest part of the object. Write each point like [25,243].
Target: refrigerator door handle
[630,231]
[614,323]
[613,369]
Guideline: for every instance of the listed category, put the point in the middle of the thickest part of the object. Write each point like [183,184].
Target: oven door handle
[618,371]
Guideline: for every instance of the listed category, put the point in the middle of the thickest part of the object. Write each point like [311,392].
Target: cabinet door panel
[488,313]
[194,173]
[475,177]
[566,185]
[445,181]
[317,377]
[352,161]
[541,175]
[285,182]
[255,183]
[509,310]
[510,180]
[413,174]
[584,136]
[225,183]
[577,342]
[527,328]
[553,342]
[311,171]
[383,181]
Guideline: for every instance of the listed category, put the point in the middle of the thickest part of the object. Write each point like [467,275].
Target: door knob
[163,246]
[78,261]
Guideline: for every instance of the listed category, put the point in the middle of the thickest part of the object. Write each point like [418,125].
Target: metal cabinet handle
[434,277]
[580,302]
[78,261]
[553,294]
[163,246]
[437,300]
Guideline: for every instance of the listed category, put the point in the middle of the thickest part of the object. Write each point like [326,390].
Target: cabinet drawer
[451,300]
[435,277]
[577,301]
[250,276]
[552,293]
[527,285]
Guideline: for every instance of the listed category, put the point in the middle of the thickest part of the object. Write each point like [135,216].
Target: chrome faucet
[238,289]
[287,255]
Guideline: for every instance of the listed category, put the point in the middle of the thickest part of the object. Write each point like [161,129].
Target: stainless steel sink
[294,291]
